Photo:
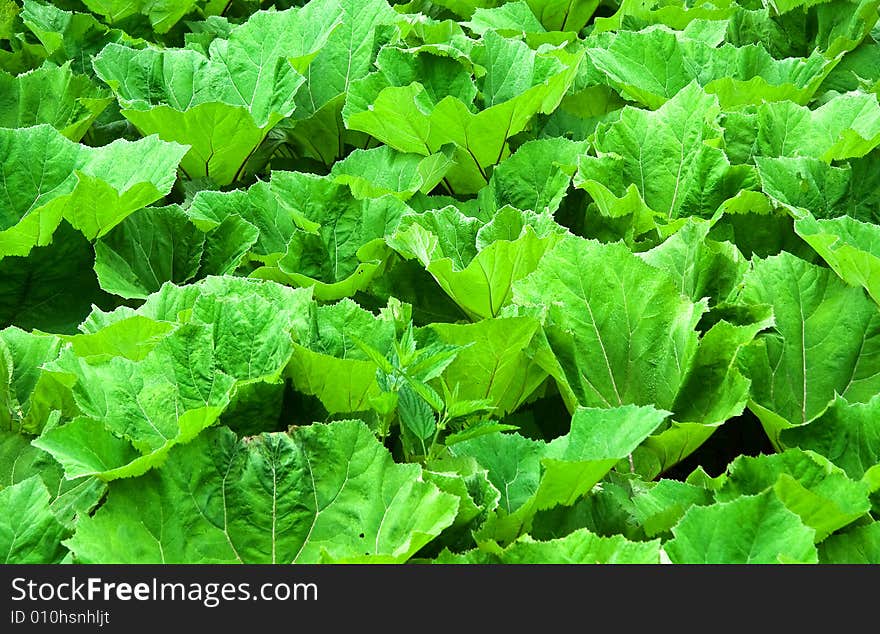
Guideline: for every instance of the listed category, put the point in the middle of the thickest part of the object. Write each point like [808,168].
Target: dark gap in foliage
[544,419]
[571,212]
[742,435]
[408,281]
[54,287]
[298,408]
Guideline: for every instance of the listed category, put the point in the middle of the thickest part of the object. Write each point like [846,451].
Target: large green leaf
[53,95]
[620,329]
[222,105]
[147,249]
[69,499]
[860,545]
[809,485]
[338,246]
[29,532]
[138,402]
[849,246]
[799,184]
[46,177]
[477,263]
[323,493]
[632,15]
[71,36]
[509,19]
[700,266]
[533,475]
[749,529]
[655,64]
[846,433]
[382,170]
[536,177]
[824,342]
[517,84]
[52,289]
[316,128]
[621,332]
[579,547]
[330,365]
[258,207]
[668,160]
[847,126]
[496,363]
[162,14]
[26,389]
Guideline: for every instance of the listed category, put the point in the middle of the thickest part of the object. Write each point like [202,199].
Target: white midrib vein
[226,513]
[274,510]
[599,339]
[318,510]
[677,181]
[803,360]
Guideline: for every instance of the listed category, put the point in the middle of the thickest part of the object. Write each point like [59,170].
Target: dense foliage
[462,281]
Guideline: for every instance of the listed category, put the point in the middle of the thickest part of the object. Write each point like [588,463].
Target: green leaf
[661,506]
[8,13]
[71,37]
[53,288]
[329,364]
[9,408]
[416,416]
[564,15]
[808,183]
[477,263]
[845,127]
[497,365]
[51,95]
[130,427]
[333,494]
[579,547]
[149,248]
[859,545]
[749,529]
[382,170]
[823,342]
[713,392]
[70,500]
[534,475]
[621,331]
[669,157]
[339,244]
[131,338]
[46,177]
[168,389]
[258,207]
[846,433]
[222,105]
[701,267]
[806,483]
[536,177]
[227,246]
[518,83]
[29,532]
[849,246]
[477,497]
[162,14]
[641,13]
[28,389]
[653,65]
[316,128]
[509,19]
